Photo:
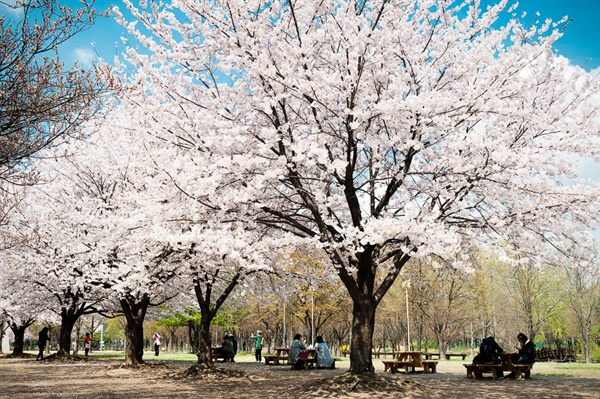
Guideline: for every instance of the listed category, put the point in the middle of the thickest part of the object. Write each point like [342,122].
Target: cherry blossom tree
[19,316]
[216,246]
[42,101]
[377,131]
[114,201]
[58,264]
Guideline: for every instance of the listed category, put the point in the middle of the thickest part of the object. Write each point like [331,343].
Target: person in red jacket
[87,343]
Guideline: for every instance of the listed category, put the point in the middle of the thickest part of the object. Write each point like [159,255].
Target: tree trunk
[363,327]
[19,332]
[585,329]
[68,318]
[77,335]
[441,342]
[365,299]
[204,342]
[134,311]
[1,333]
[67,322]
[207,312]
[193,335]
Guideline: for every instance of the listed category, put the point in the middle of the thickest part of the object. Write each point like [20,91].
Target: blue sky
[581,42]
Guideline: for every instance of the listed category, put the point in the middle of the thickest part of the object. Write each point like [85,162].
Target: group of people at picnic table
[298,349]
[228,346]
[490,351]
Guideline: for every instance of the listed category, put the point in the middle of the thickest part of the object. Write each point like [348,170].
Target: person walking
[156,338]
[258,345]
[42,340]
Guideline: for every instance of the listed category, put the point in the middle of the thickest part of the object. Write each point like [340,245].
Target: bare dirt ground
[24,378]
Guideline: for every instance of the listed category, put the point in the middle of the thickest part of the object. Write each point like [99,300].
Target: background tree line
[449,310]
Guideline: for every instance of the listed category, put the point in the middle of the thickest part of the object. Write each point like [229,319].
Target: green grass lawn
[578,366]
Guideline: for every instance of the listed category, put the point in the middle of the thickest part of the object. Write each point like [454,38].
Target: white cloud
[595,73]
[84,55]
[9,7]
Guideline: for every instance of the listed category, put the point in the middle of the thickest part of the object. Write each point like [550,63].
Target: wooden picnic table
[281,354]
[279,351]
[409,360]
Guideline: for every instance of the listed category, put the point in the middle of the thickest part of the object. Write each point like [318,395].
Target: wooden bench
[522,369]
[226,357]
[479,369]
[462,355]
[307,363]
[330,367]
[518,370]
[274,359]
[394,365]
[429,365]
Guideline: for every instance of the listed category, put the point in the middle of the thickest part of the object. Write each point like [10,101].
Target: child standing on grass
[87,343]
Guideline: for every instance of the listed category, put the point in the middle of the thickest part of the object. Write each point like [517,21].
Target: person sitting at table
[225,349]
[489,352]
[525,354]
[295,348]
[324,358]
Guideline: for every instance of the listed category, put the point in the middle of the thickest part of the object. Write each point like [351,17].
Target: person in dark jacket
[489,352]
[525,354]
[42,340]
[235,343]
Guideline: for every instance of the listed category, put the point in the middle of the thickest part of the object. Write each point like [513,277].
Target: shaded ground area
[25,378]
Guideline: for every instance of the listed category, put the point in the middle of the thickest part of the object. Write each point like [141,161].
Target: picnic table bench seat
[518,370]
[429,365]
[479,369]
[330,367]
[522,370]
[462,355]
[275,359]
[307,363]
[394,365]
[227,357]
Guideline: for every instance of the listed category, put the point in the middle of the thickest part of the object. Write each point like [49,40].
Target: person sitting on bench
[526,354]
[225,349]
[489,352]
[294,354]
[324,358]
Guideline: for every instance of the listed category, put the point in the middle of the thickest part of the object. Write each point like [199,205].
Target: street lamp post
[312,316]
[406,286]
[102,336]
[283,343]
